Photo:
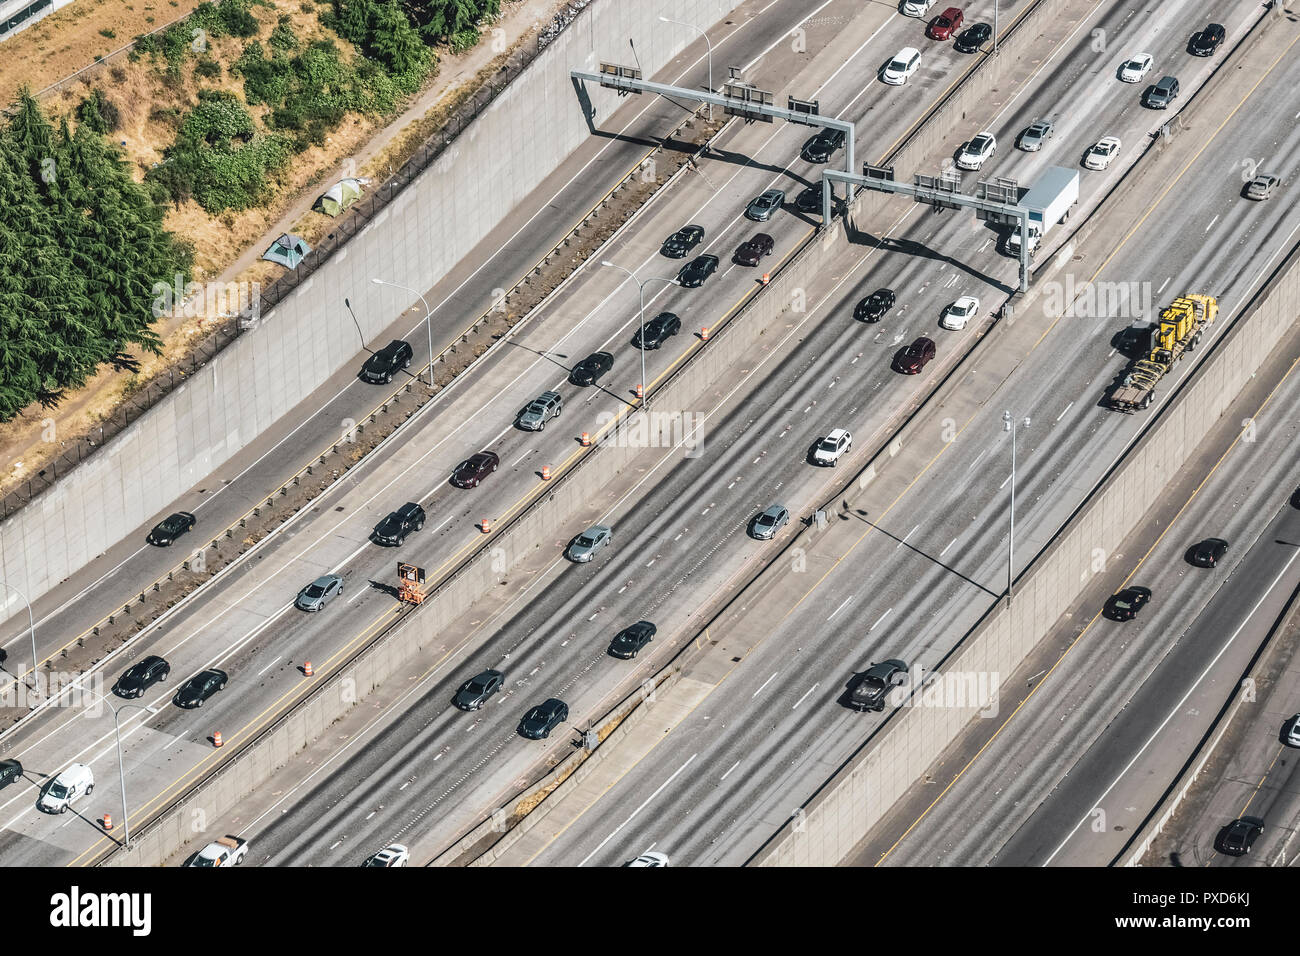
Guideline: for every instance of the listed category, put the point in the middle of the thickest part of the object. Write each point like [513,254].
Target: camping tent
[339,196]
[288,250]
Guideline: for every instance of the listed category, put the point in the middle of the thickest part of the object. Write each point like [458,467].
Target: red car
[756,248]
[474,469]
[945,24]
[912,358]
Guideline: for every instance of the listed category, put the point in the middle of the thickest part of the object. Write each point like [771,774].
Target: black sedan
[542,719]
[810,200]
[911,359]
[11,771]
[1239,836]
[590,369]
[140,676]
[1207,41]
[474,469]
[1125,605]
[657,331]
[474,693]
[875,306]
[171,528]
[749,253]
[1207,553]
[384,364]
[822,146]
[970,39]
[683,241]
[697,270]
[629,641]
[870,689]
[200,687]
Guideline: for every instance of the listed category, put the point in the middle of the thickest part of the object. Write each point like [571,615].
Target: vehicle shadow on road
[857,514]
[910,247]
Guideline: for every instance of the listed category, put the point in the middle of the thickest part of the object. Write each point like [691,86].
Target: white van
[59,794]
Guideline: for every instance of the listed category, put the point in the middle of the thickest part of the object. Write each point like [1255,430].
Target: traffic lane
[900,532]
[258,469]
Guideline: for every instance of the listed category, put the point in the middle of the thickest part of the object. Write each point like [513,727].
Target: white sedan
[903,65]
[959,313]
[392,855]
[1102,153]
[977,151]
[1135,69]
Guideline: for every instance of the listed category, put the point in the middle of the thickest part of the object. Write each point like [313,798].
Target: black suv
[384,364]
[542,719]
[974,36]
[657,331]
[140,676]
[171,528]
[871,687]
[1238,836]
[1207,41]
[629,641]
[392,531]
[474,693]
[822,146]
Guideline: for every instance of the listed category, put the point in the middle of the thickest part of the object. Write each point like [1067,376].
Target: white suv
[833,447]
[977,151]
[76,781]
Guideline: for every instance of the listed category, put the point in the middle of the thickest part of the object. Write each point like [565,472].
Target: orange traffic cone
[108,821]
[485,525]
[546,472]
[704,334]
[216,739]
[586,439]
[306,669]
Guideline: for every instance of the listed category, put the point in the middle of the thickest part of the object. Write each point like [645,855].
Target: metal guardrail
[359,215]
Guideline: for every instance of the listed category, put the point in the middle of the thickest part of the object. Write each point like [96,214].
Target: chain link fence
[222,333]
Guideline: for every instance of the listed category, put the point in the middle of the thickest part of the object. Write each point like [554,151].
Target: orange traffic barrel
[485,525]
[306,669]
[216,739]
[586,439]
[767,277]
[640,391]
[546,472]
[108,821]
[704,334]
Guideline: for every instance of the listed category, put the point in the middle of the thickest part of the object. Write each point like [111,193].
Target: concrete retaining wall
[504,154]
[842,813]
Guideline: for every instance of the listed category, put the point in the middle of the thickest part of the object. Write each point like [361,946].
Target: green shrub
[98,114]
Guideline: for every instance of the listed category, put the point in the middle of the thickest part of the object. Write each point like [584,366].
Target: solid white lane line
[637,810]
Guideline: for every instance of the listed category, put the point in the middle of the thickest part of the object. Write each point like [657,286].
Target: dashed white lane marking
[977,459]
[1163,284]
[841,607]
[905,537]
[360,591]
[1064,410]
[765,683]
[441,526]
[728,773]
[806,693]
[878,620]
[1212,222]
[945,550]
[521,457]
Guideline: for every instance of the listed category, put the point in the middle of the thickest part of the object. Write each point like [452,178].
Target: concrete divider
[581,492]
[842,812]
[505,153]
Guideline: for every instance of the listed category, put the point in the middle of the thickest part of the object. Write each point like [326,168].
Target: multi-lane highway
[425,772]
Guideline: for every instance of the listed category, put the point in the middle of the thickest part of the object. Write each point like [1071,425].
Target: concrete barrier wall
[504,154]
[842,813]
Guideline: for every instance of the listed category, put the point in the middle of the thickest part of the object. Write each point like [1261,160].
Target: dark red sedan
[945,24]
[912,358]
[750,252]
[474,469]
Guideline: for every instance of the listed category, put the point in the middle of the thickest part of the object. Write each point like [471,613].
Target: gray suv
[539,411]
[1163,93]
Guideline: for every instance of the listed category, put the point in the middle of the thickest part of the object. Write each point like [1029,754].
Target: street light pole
[1009,424]
[707,42]
[121,773]
[31,627]
[640,290]
[428,319]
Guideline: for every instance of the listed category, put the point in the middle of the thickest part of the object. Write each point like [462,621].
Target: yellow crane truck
[1178,332]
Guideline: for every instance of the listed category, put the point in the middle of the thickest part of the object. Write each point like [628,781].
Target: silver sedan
[584,547]
[762,208]
[319,593]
